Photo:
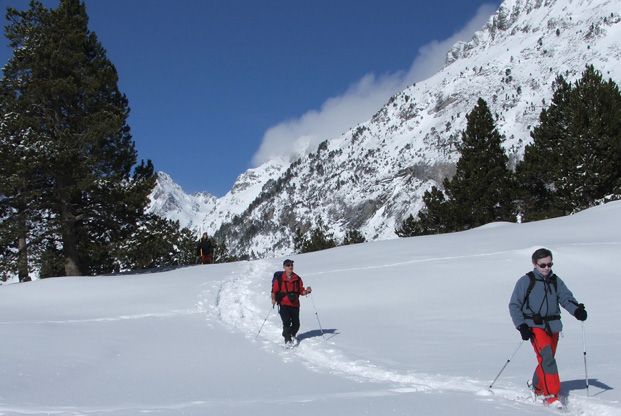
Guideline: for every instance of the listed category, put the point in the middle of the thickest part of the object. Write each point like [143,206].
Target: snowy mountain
[204,212]
[375,174]
[187,341]
[170,201]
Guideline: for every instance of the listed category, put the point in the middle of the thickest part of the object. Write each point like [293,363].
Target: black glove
[581,313]
[525,331]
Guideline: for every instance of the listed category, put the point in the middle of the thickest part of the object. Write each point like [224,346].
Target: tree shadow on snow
[317,333]
[159,269]
[569,385]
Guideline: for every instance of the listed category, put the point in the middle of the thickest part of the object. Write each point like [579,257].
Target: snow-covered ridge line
[203,212]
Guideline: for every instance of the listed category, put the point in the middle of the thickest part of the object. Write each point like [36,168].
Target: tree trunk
[22,247]
[70,242]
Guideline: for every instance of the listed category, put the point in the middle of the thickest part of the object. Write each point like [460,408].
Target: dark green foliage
[439,215]
[298,240]
[221,253]
[534,172]
[481,189]
[52,261]
[435,217]
[157,242]
[20,186]
[8,243]
[408,227]
[353,237]
[315,239]
[65,147]
[575,157]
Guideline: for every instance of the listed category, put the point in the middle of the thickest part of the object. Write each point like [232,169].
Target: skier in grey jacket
[535,311]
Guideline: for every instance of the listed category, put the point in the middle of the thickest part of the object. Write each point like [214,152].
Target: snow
[411,326]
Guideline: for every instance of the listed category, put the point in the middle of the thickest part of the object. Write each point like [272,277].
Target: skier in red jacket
[286,290]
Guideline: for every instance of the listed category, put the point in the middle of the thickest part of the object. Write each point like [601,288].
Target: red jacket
[293,284]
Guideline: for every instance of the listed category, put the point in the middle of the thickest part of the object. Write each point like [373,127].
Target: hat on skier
[287,262]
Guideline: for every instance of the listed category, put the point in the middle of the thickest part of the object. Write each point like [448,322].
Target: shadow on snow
[569,385]
[317,333]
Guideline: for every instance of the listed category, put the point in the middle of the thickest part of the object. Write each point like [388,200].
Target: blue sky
[217,87]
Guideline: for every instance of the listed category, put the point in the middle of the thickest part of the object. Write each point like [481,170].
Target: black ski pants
[290,321]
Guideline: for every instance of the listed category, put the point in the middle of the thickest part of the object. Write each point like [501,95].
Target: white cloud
[291,138]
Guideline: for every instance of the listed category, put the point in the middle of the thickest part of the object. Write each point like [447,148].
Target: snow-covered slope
[411,326]
[374,175]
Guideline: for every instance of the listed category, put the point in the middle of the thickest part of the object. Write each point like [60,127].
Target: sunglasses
[544,265]
[289,265]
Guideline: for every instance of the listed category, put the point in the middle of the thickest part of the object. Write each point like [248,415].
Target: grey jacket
[544,299]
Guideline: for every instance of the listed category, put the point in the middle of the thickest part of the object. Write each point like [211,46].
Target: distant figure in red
[204,250]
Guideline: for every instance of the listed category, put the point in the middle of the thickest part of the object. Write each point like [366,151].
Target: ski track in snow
[233,303]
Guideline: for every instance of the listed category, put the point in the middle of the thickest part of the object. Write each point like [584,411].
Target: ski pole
[265,320]
[586,374]
[507,363]
[316,314]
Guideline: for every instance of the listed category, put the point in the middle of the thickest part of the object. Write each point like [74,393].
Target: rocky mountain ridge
[375,174]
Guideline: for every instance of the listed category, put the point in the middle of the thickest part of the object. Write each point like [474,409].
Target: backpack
[282,293]
[531,285]
[537,318]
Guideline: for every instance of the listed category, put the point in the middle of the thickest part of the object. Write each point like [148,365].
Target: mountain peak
[373,176]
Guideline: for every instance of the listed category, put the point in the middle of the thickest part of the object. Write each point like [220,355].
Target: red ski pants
[545,380]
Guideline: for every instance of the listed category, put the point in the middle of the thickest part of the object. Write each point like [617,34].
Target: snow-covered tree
[575,157]
[69,126]
[481,191]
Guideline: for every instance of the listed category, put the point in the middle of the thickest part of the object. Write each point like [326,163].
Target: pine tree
[434,218]
[222,255]
[51,261]
[535,171]
[575,157]
[8,240]
[437,216]
[21,185]
[596,131]
[298,240]
[481,189]
[353,236]
[318,238]
[70,113]
[156,242]
[408,227]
